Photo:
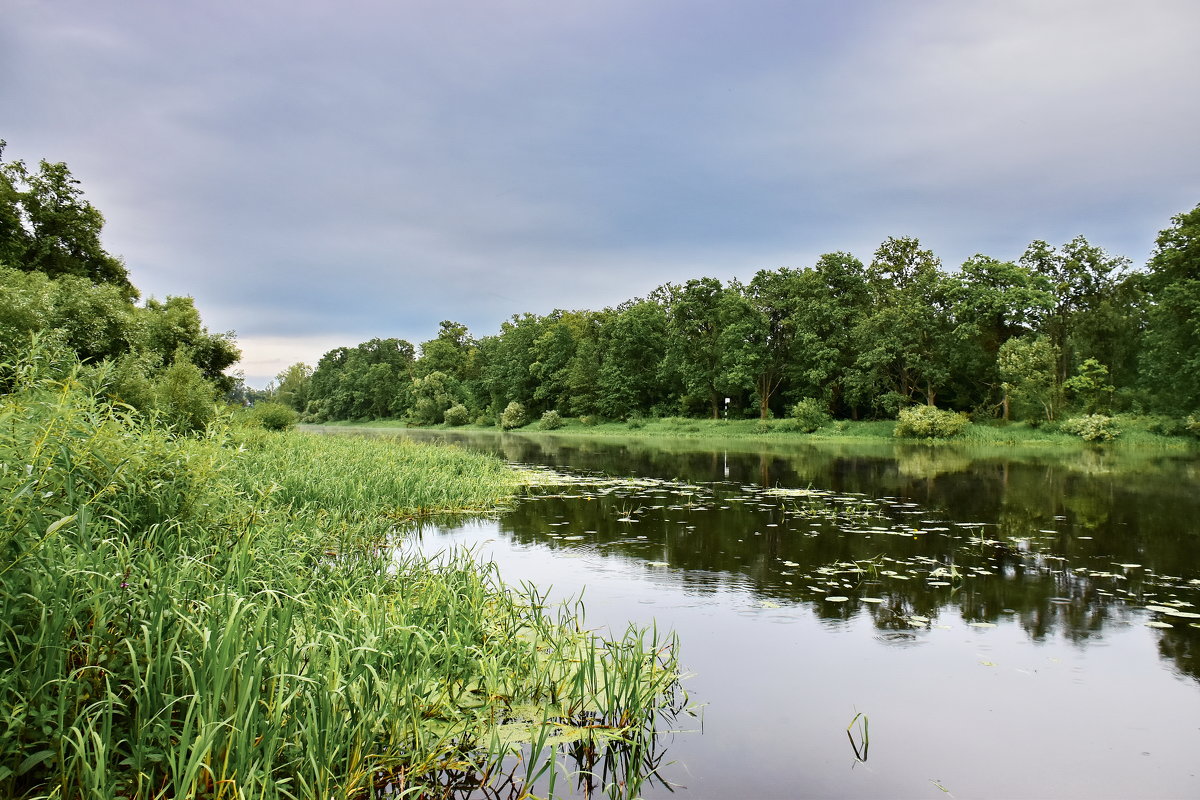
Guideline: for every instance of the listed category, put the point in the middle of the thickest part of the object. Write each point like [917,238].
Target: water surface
[1011,623]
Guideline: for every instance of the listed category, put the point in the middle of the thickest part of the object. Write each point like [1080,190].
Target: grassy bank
[223,617]
[879,431]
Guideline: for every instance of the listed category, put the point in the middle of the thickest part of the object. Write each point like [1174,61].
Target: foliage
[513,416]
[291,386]
[1089,386]
[929,422]
[433,395]
[274,416]
[1092,427]
[186,401]
[1193,424]
[370,381]
[695,357]
[1172,338]
[551,420]
[809,414]
[457,415]
[1028,369]
[47,226]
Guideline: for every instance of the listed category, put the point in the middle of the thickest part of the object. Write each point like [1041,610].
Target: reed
[223,617]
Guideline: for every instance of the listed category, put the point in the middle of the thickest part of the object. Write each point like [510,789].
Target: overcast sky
[319,173]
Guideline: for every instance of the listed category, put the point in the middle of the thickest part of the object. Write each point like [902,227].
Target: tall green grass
[222,617]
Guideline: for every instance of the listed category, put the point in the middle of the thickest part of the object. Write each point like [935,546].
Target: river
[884,620]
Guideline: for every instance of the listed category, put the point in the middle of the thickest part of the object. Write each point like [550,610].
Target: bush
[1092,428]
[1159,424]
[274,416]
[551,420]
[929,422]
[762,426]
[184,398]
[1193,424]
[1167,426]
[513,416]
[809,415]
[635,423]
[588,419]
[457,415]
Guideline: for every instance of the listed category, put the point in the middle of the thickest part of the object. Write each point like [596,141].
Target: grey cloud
[372,168]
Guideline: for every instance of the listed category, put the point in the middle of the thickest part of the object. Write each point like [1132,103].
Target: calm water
[986,611]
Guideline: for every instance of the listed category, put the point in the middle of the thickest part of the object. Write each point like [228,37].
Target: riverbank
[1134,435]
[234,615]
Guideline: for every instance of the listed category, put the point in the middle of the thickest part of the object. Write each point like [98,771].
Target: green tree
[695,346]
[829,302]
[433,395]
[1171,364]
[566,362]
[368,381]
[291,386]
[1029,373]
[991,302]
[905,346]
[165,327]
[450,352]
[1090,388]
[758,334]
[1092,317]
[47,226]
[632,345]
[506,373]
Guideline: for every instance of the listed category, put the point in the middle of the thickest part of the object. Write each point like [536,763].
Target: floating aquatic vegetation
[922,554]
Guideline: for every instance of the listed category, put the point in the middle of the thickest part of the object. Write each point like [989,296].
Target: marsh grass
[221,617]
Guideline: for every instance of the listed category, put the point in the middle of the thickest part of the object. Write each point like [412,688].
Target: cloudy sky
[319,173]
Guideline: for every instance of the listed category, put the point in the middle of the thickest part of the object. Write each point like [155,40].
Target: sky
[316,174]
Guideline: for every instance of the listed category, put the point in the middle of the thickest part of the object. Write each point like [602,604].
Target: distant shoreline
[879,431]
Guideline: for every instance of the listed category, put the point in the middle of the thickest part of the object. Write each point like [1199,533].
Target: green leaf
[32,761]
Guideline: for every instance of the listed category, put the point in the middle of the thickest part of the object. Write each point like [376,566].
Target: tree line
[1066,328]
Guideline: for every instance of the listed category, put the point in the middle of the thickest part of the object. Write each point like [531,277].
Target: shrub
[1092,428]
[762,426]
[809,414]
[457,415]
[588,419]
[551,420]
[485,421]
[1193,424]
[636,423]
[1160,424]
[185,399]
[929,422]
[274,416]
[513,416]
